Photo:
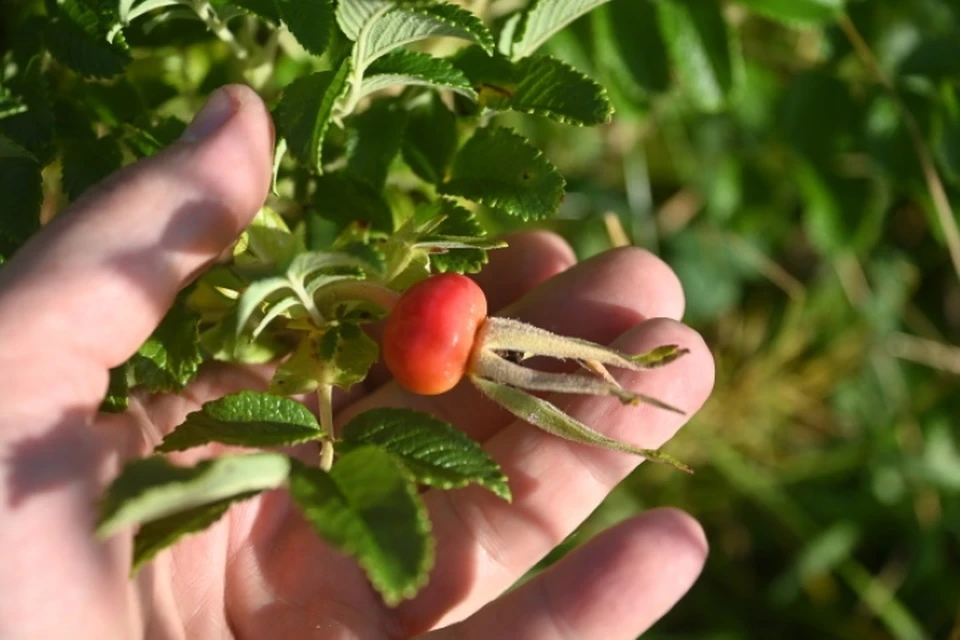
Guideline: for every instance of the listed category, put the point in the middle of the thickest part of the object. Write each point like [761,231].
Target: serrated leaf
[266,9]
[379,26]
[409,68]
[310,21]
[539,85]
[88,161]
[459,243]
[78,38]
[171,356]
[21,184]
[797,13]
[32,129]
[343,200]
[501,169]
[346,355]
[155,536]
[300,372]
[118,390]
[368,507]
[431,139]
[152,488]
[373,141]
[551,419]
[628,41]
[435,452]
[701,49]
[246,419]
[542,19]
[303,115]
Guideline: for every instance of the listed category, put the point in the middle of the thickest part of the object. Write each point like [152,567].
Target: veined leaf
[310,21]
[304,112]
[539,85]
[797,12]
[171,356]
[405,67]
[501,169]
[346,355]
[459,243]
[379,26]
[702,50]
[152,488]
[373,142]
[368,507]
[343,199]
[78,38]
[33,129]
[548,417]
[246,419]
[436,453]
[155,536]
[542,19]
[628,42]
[22,186]
[431,139]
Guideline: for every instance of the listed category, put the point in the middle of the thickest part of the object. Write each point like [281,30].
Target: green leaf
[343,200]
[702,50]
[542,19]
[346,355]
[300,373]
[435,452]
[310,21]
[32,129]
[548,417]
[152,488]
[88,161]
[171,356]
[155,536]
[303,114]
[430,140]
[21,184]
[459,243]
[379,26]
[368,507]
[269,10]
[540,85]
[637,52]
[10,105]
[255,295]
[373,141]
[797,13]
[118,391]
[246,419]
[87,41]
[405,67]
[501,169]
[936,57]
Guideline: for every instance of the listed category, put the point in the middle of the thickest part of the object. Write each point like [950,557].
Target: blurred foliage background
[795,161]
[797,170]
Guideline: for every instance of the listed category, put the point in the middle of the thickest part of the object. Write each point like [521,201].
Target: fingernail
[220,107]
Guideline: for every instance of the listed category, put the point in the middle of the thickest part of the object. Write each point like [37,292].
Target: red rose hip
[430,333]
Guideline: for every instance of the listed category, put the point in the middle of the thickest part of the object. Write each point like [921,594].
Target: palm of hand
[261,571]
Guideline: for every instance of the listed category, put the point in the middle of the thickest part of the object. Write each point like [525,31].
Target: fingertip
[658,285]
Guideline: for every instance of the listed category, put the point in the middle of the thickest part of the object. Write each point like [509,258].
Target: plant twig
[208,14]
[938,194]
[931,353]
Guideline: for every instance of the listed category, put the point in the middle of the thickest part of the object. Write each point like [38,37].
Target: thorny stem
[325,405]
[941,202]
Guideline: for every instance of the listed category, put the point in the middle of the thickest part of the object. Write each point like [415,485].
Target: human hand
[84,294]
